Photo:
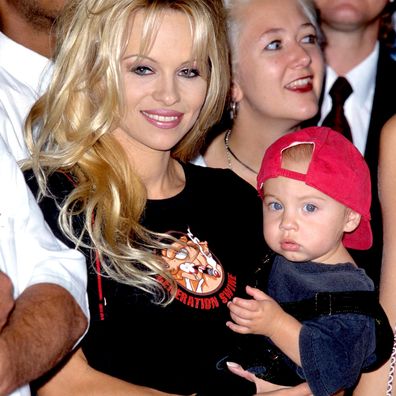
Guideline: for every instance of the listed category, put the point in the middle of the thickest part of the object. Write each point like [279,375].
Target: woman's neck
[163,178]
[162,175]
[250,139]
[346,50]
[247,141]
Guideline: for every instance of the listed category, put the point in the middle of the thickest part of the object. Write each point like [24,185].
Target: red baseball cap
[337,169]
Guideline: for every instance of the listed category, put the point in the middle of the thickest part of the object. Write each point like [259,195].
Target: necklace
[230,153]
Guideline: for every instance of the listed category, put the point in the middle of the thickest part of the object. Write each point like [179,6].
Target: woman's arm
[77,378]
[375,383]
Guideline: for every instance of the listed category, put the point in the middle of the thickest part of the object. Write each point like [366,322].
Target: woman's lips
[301,85]
[164,119]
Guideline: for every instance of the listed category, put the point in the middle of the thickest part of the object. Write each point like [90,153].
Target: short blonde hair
[235,24]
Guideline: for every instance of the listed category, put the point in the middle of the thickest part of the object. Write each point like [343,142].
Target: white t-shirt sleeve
[29,252]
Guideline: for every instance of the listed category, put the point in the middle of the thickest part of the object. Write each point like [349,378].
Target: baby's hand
[260,315]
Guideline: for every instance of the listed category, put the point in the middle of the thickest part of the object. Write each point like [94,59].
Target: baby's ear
[352,220]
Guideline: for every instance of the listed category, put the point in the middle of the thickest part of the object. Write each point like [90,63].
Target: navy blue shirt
[334,349]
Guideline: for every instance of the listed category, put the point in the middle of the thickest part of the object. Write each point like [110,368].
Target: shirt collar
[24,64]
[361,78]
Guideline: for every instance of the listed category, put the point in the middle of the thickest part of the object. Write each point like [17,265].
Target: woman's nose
[166,91]
[300,56]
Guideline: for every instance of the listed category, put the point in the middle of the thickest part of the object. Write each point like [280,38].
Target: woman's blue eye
[310,208]
[189,73]
[274,45]
[142,70]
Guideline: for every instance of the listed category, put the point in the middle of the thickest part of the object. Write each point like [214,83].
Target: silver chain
[230,153]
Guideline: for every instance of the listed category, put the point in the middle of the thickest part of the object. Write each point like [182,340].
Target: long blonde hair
[69,128]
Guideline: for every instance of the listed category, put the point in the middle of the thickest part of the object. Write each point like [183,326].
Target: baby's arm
[263,315]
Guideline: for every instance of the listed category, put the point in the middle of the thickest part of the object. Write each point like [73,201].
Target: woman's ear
[236,91]
[352,220]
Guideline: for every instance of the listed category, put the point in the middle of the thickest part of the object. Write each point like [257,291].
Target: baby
[319,309]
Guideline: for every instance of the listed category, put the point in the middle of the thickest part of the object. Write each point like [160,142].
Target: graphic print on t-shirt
[193,266]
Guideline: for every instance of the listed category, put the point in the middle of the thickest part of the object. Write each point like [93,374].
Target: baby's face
[301,223]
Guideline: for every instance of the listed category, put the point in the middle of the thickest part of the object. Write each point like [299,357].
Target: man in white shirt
[48,280]
[358,106]
[50,309]
[357,50]
[26,44]
[21,72]
[352,30]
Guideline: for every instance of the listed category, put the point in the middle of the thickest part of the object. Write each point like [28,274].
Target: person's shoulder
[199,160]
[218,178]
[385,52]
[386,65]
[388,139]
[196,170]
[388,133]
[8,63]
[18,82]
[5,152]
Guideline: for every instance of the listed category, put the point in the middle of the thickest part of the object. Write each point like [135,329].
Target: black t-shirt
[181,348]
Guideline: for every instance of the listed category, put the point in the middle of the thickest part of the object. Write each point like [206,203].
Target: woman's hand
[265,388]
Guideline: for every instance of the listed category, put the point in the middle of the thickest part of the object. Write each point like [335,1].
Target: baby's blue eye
[310,208]
[275,206]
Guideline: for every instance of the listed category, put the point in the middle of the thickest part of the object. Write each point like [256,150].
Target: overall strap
[332,303]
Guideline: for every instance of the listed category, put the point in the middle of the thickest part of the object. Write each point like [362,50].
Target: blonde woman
[136,85]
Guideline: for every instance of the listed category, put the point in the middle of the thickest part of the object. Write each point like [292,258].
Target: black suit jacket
[383,108]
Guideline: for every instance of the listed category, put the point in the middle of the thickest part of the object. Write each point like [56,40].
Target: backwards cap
[337,169]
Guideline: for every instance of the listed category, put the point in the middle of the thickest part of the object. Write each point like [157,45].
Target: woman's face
[279,67]
[164,89]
